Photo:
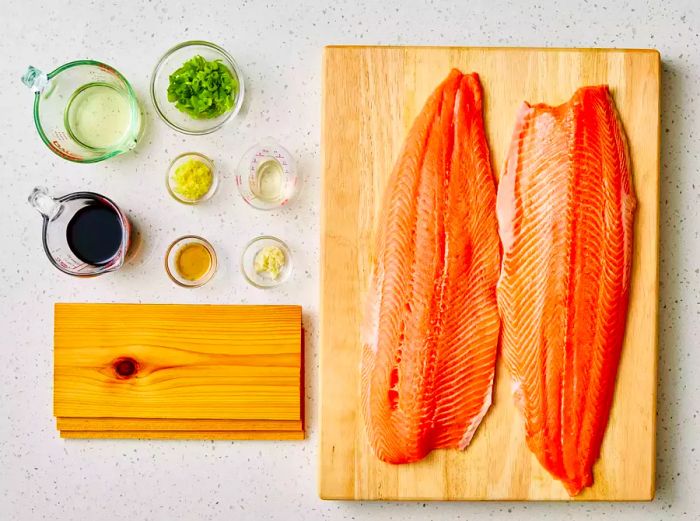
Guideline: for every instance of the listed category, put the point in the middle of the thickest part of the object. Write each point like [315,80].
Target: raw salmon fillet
[565,212]
[431,328]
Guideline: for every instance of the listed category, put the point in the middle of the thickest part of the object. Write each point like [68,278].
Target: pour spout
[35,79]
[44,203]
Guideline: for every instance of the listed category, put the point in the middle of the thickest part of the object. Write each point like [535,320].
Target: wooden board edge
[187,435]
[59,305]
[324,487]
[56,307]
[176,424]
[657,213]
[327,50]
[475,499]
[294,417]
[650,50]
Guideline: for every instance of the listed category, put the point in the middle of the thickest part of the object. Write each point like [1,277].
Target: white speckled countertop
[278,45]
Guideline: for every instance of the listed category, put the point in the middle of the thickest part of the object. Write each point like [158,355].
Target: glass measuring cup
[267,176]
[84,233]
[85,111]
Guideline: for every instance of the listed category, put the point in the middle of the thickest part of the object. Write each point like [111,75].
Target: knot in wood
[125,367]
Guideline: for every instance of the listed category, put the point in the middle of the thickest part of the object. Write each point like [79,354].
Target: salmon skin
[431,326]
[565,212]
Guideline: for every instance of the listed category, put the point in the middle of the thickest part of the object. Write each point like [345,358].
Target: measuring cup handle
[46,205]
[35,79]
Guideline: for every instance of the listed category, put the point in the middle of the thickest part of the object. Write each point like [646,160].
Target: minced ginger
[192,180]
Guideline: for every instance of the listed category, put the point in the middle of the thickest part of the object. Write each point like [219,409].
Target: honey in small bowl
[190,261]
[193,261]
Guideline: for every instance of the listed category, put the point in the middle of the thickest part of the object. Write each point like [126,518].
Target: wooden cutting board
[371,96]
[122,370]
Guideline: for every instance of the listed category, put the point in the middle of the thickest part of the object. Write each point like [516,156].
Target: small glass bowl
[173,60]
[179,160]
[248,262]
[171,260]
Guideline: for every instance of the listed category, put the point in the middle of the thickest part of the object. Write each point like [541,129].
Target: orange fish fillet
[565,211]
[431,326]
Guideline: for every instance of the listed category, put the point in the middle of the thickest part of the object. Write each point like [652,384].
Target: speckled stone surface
[278,45]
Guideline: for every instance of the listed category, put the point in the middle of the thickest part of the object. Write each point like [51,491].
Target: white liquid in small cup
[268,180]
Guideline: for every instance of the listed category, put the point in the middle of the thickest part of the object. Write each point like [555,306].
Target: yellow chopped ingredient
[192,180]
[270,260]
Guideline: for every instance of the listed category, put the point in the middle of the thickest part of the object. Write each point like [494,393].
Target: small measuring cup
[59,219]
[85,111]
[267,176]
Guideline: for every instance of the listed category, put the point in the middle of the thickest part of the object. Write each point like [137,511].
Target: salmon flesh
[565,212]
[431,327]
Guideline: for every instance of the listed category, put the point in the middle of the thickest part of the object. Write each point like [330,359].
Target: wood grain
[174,424]
[192,361]
[185,435]
[371,96]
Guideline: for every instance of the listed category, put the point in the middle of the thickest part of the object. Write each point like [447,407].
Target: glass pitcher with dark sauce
[84,233]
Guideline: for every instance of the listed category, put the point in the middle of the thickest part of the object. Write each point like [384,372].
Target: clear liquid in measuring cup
[267,176]
[268,180]
[98,116]
[94,234]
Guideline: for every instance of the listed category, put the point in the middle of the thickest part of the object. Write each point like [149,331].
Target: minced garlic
[270,260]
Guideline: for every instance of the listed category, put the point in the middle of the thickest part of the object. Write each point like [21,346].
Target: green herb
[203,89]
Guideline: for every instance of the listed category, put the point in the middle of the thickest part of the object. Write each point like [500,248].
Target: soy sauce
[95,234]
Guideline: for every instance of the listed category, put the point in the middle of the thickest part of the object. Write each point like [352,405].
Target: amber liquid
[193,261]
